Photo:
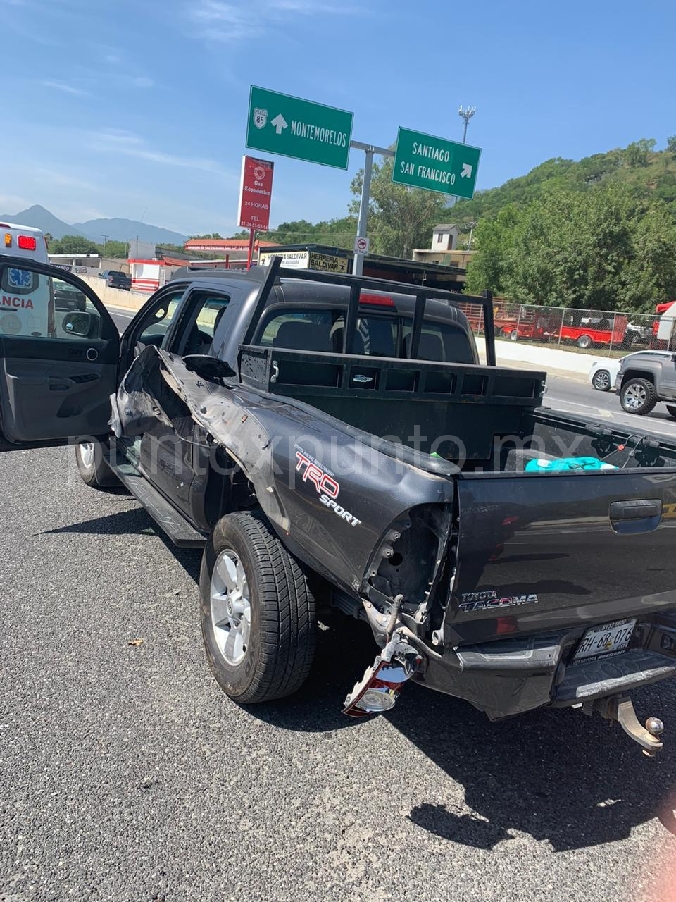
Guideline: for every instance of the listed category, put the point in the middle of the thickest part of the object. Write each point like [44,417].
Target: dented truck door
[58,360]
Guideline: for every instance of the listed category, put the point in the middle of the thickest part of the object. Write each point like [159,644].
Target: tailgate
[539,552]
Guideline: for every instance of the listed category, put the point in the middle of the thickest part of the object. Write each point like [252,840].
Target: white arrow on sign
[466,170]
[279,123]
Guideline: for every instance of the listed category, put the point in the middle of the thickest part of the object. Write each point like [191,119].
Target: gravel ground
[127,775]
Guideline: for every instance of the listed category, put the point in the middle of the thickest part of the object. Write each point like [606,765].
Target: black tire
[584,342]
[281,640]
[93,468]
[514,335]
[601,380]
[671,410]
[638,396]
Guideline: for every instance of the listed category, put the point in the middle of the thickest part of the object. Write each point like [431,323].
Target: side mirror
[209,367]
[77,323]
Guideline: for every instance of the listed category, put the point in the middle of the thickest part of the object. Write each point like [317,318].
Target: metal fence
[606,330]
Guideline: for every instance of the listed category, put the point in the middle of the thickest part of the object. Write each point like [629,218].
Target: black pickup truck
[335,437]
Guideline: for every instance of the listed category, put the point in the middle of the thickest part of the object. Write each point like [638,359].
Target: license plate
[609,639]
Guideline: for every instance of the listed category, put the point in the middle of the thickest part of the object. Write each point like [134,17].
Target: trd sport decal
[327,487]
[482,601]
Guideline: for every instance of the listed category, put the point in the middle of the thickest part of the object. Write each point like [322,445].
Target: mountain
[39,218]
[125,230]
[114,229]
[651,173]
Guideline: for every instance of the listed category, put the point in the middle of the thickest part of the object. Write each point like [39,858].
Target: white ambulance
[23,241]
[26,298]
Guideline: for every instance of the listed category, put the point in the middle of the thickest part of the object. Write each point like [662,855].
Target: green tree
[650,276]
[74,244]
[493,241]
[212,235]
[400,218]
[605,249]
[671,145]
[637,154]
[114,249]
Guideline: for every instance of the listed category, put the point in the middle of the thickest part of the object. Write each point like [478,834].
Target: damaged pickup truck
[326,436]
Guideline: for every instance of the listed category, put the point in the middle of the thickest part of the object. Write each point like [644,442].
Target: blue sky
[138,109]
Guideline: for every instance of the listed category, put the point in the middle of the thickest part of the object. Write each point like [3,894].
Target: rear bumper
[512,676]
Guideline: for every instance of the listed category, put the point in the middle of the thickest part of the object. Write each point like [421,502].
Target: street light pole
[466,115]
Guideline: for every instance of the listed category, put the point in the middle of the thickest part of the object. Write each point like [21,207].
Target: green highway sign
[424,161]
[298,128]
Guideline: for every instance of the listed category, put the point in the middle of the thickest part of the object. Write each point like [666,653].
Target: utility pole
[466,115]
[105,239]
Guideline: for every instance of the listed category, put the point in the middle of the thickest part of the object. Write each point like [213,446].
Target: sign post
[301,129]
[423,161]
[255,191]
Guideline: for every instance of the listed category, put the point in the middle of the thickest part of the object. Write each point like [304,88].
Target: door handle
[635,516]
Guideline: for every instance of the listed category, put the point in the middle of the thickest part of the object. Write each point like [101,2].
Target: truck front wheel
[93,467]
[638,396]
[257,612]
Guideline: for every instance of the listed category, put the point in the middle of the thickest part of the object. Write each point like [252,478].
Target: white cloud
[217,20]
[67,89]
[142,81]
[12,203]
[122,142]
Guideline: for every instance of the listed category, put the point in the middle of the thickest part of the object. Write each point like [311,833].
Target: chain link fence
[607,331]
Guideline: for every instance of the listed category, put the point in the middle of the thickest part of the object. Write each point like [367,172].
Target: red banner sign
[255,193]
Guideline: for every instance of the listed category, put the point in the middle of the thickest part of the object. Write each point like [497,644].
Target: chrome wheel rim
[602,380]
[87,454]
[635,397]
[230,607]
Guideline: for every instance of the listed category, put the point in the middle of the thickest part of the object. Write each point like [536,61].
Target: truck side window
[156,322]
[206,311]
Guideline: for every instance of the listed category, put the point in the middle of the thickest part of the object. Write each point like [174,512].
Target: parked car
[68,297]
[646,379]
[603,372]
[116,279]
[334,440]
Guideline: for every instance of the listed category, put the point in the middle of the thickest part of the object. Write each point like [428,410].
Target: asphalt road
[128,776]
[580,399]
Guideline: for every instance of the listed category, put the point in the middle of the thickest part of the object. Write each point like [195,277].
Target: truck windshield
[377,335]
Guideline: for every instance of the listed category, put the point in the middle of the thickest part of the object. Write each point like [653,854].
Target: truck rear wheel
[257,612]
[638,396]
[93,467]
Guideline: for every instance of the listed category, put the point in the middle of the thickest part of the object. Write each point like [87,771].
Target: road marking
[126,313]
